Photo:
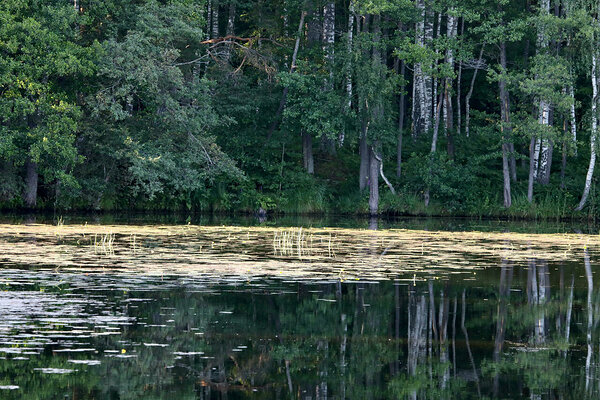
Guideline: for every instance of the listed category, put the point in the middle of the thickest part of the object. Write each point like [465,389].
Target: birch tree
[595,57]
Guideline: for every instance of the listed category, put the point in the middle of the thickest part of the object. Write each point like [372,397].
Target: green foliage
[128,105]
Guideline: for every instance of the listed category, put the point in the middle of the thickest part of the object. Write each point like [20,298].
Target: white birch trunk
[594,133]
[573,121]
[419,95]
[543,173]
[215,19]
[349,54]
[208,19]
[231,20]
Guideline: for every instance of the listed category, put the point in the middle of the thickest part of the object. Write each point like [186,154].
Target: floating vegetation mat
[288,252]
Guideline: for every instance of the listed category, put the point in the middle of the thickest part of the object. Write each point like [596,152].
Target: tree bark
[459,85]
[545,164]
[307,151]
[364,158]
[470,93]
[373,182]
[573,119]
[505,127]
[215,18]
[329,38]
[31,184]
[594,133]
[401,112]
[423,98]
[451,32]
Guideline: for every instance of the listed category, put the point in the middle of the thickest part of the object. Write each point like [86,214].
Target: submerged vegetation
[438,107]
[323,253]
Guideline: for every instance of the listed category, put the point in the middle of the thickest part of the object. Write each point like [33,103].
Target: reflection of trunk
[569,312]
[443,329]
[307,151]
[417,322]
[544,295]
[454,336]
[590,319]
[538,292]
[432,321]
[504,293]
[466,334]
[31,184]
[397,327]
[343,357]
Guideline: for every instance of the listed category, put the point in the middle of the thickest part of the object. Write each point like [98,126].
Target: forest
[485,108]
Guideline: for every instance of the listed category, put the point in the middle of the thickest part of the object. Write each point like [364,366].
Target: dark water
[492,329]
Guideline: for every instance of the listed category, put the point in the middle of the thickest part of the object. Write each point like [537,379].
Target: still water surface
[225,312]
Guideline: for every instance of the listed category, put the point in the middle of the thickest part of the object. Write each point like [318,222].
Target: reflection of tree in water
[512,332]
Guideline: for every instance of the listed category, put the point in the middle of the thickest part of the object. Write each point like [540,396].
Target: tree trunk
[470,93]
[307,151]
[230,26]
[459,85]
[451,32]
[231,19]
[513,162]
[594,133]
[364,158]
[563,165]
[423,98]
[573,120]
[401,112]
[329,38]
[292,69]
[215,18]
[533,151]
[209,19]
[31,184]
[545,164]
[373,182]
[349,47]
[505,127]
[329,50]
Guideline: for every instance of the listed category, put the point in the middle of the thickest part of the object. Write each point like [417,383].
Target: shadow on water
[164,312]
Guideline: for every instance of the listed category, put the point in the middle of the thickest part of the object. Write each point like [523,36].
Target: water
[188,312]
